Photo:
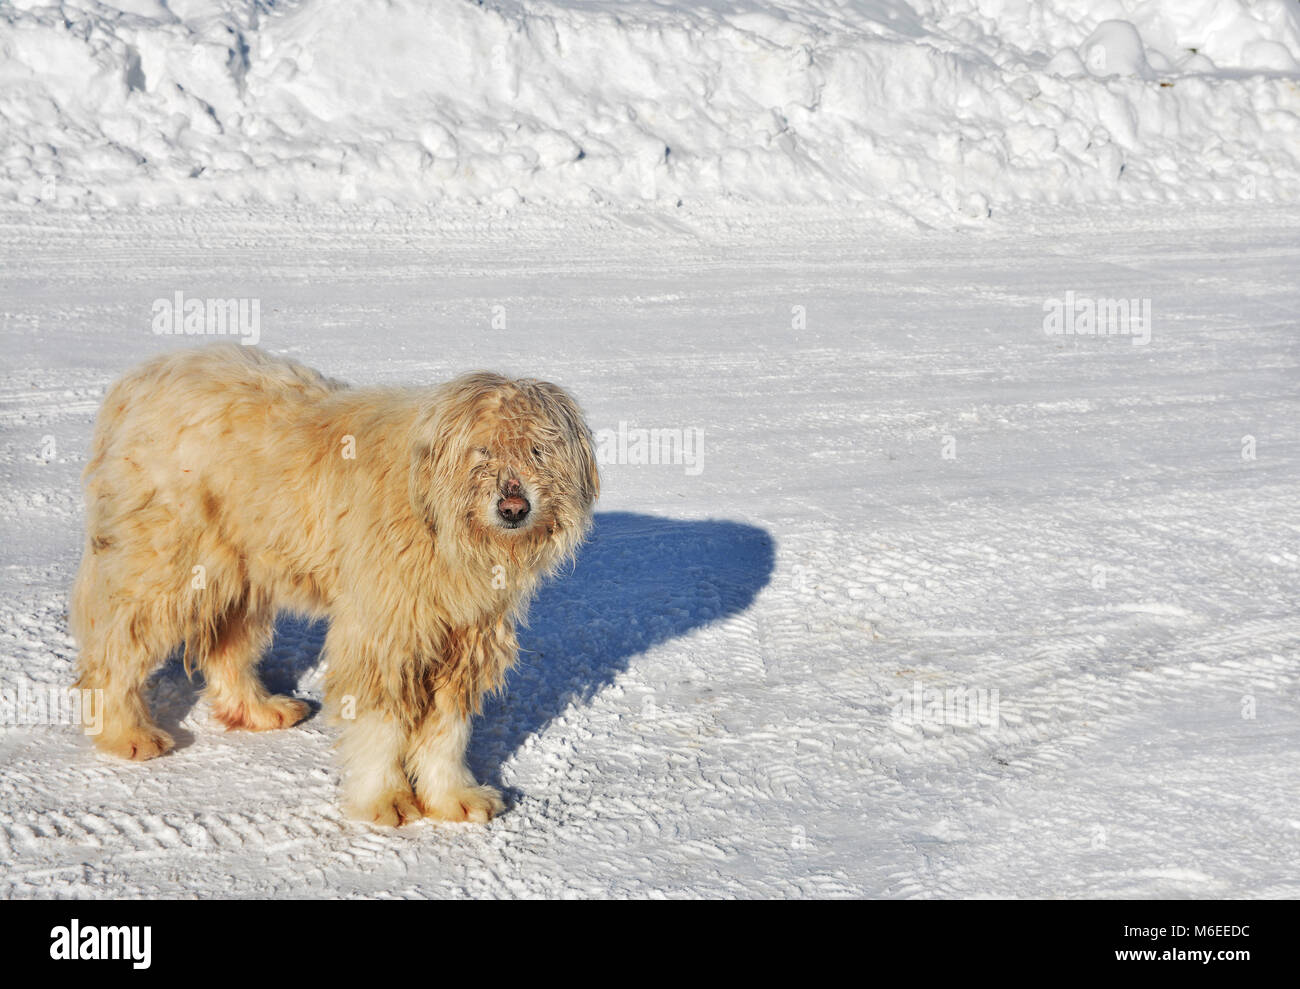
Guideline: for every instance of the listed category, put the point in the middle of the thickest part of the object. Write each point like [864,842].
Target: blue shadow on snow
[639,580]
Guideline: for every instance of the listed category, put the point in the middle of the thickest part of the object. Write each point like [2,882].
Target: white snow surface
[824,235]
[937,108]
[907,484]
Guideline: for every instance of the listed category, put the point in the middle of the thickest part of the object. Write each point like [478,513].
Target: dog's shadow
[639,580]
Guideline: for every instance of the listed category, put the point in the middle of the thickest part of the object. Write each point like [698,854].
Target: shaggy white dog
[225,484]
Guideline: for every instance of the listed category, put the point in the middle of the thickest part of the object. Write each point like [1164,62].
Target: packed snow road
[927,600]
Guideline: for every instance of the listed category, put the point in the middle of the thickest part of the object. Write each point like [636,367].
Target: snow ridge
[937,109]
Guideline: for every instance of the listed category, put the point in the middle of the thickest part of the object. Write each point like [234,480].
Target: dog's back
[154,412]
[179,425]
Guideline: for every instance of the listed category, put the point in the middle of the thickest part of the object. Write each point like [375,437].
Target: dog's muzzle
[513,506]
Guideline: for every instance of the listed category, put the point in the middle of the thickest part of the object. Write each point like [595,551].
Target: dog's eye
[537,453]
[483,451]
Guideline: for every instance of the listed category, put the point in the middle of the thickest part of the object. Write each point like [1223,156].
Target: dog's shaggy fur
[225,484]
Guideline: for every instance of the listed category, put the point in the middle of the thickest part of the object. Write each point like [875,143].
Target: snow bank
[927,105]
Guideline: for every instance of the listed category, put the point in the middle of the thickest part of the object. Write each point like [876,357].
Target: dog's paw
[478,804]
[390,810]
[277,711]
[138,743]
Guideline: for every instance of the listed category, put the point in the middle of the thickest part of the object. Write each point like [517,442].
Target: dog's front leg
[475,663]
[375,786]
[374,738]
[444,784]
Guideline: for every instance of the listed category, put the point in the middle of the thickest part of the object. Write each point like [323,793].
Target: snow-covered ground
[947,598]
[711,701]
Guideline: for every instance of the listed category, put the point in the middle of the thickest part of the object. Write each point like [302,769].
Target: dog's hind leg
[238,697]
[118,649]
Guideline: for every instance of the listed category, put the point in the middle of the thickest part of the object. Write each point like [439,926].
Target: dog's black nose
[513,509]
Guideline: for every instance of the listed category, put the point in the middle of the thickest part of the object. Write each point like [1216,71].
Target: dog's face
[506,467]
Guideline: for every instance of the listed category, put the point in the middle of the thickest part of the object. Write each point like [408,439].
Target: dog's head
[505,468]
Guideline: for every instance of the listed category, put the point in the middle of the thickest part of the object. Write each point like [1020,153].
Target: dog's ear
[429,464]
[565,410]
[593,468]
[440,441]
[423,503]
